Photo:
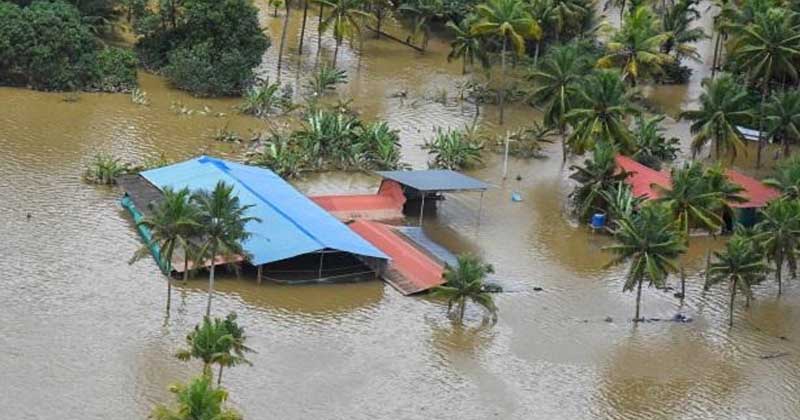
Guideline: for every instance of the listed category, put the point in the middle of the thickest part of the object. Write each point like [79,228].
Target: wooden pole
[395,39]
[321,256]
[505,157]
[258,276]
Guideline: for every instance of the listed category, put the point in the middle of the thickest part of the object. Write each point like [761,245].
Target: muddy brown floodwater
[83,333]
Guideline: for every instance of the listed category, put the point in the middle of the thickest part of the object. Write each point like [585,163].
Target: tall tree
[636,47]
[198,400]
[557,81]
[303,27]
[172,223]
[650,244]
[600,112]
[690,200]
[569,16]
[741,265]
[786,178]
[681,34]
[510,21]
[466,46]
[218,342]
[779,235]
[344,19]
[766,50]
[723,106]
[223,218]
[782,114]
[466,282]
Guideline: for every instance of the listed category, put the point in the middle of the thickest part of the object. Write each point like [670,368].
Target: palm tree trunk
[211,280]
[716,55]
[536,54]
[778,269]
[683,283]
[336,52]
[303,28]
[761,123]
[464,65]
[378,27]
[621,12]
[638,300]
[503,83]
[185,266]
[319,29]
[219,375]
[785,147]
[563,134]
[462,306]
[283,40]
[169,294]
[733,297]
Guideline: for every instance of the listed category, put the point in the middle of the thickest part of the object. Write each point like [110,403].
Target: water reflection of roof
[641,179]
[290,225]
[436,180]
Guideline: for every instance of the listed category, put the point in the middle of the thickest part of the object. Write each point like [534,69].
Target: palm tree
[508,20]
[741,265]
[198,400]
[287,4]
[345,19]
[223,219]
[652,148]
[421,12]
[690,200]
[636,47]
[466,282]
[596,176]
[782,114]
[303,27]
[787,178]
[543,12]
[557,82]
[599,114]
[649,242]
[681,36]
[779,235]
[569,15]
[767,49]
[172,222]
[216,341]
[723,105]
[466,46]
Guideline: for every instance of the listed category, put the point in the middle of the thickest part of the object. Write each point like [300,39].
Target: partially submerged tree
[198,400]
[779,235]
[216,341]
[741,265]
[466,282]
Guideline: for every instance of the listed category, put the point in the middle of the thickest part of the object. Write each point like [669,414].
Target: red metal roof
[756,193]
[419,271]
[386,205]
[642,178]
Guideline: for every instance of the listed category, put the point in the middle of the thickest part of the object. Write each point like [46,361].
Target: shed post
[422,208]
[321,255]
[258,276]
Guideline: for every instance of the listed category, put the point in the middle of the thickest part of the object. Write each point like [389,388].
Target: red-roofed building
[641,178]
[756,193]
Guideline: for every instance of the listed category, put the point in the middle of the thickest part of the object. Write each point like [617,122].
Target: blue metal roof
[436,180]
[291,224]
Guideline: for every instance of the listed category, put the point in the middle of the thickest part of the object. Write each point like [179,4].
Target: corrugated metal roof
[436,180]
[642,178]
[756,193]
[291,224]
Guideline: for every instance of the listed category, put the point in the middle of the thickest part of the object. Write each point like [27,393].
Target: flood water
[84,335]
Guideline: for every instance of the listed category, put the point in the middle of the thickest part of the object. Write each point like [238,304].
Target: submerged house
[295,241]
[641,179]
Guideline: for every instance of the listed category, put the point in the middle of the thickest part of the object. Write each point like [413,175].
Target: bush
[210,50]
[48,46]
[453,150]
[115,70]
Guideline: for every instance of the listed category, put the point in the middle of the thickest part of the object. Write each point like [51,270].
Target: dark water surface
[83,332]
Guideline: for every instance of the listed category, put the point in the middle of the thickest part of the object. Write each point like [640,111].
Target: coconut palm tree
[723,105]
[650,244]
[543,12]
[782,114]
[636,47]
[557,81]
[597,175]
[466,46]
[466,282]
[421,13]
[510,21]
[569,16]
[681,35]
[218,342]
[198,400]
[741,265]
[779,235]
[787,178]
[690,200]
[599,114]
[223,219]
[652,148]
[172,223]
[303,27]
[344,19]
[768,49]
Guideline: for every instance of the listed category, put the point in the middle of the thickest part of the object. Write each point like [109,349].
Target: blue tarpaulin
[435,180]
[291,224]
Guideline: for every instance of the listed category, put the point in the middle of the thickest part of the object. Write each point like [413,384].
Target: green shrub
[115,70]
[453,150]
[210,50]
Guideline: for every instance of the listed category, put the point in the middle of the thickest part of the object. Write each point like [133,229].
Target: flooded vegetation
[85,333]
